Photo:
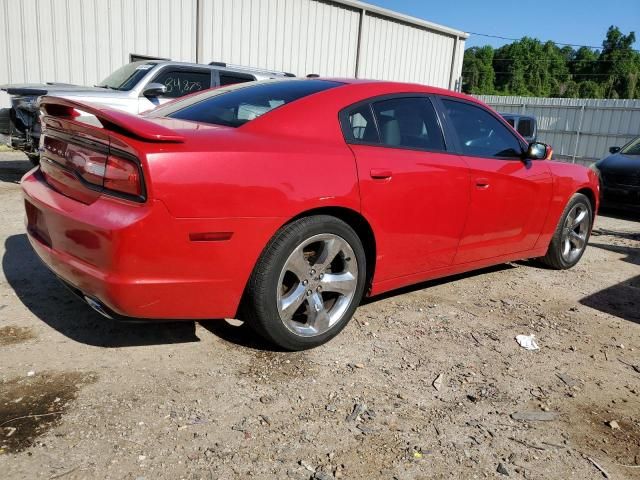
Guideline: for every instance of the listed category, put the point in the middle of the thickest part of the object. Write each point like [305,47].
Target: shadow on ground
[630,213]
[39,290]
[621,300]
[11,171]
[240,335]
[440,281]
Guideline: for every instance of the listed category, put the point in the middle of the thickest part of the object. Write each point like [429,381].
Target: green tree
[619,64]
[589,89]
[478,67]
[584,65]
[532,68]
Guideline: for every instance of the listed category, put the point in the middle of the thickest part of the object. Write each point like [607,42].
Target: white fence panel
[580,130]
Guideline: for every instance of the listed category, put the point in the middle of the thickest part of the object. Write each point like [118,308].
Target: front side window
[409,122]
[480,133]
[182,82]
[235,105]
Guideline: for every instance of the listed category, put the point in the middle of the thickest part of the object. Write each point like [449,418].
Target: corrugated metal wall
[82,41]
[580,129]
[310,36]
[299,36]
[396,51]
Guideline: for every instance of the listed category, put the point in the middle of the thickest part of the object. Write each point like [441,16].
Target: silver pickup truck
[135,88]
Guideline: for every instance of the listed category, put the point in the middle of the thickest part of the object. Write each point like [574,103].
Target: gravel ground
[427,382]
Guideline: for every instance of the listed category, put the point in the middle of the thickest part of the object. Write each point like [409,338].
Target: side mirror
[614,149]
[538,151]
[154,90]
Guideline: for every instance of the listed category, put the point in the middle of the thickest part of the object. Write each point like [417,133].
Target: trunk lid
[85,160]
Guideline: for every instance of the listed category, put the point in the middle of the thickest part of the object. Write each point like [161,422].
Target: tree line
[529,67]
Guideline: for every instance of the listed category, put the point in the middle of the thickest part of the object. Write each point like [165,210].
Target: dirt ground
[83,397]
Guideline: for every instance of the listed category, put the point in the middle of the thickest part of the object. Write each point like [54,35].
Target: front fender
[568,179]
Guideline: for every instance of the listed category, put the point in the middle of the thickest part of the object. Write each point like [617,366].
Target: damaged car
[135,88]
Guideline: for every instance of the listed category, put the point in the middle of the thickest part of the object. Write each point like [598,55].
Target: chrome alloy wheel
[317,284]
[575,232]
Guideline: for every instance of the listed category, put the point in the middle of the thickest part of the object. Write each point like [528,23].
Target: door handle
[380,173]
[482,182]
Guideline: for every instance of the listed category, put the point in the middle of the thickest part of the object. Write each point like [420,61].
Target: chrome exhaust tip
[97,306]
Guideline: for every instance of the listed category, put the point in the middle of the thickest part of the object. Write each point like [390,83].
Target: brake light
[122,176]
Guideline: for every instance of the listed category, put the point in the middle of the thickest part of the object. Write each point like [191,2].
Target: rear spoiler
[131,125]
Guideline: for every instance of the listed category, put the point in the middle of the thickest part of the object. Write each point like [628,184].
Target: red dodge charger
[282,203]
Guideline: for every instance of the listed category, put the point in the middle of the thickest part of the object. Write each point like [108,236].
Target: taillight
[122,176]
[66,164]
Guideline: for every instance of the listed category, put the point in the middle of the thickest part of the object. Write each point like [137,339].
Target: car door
[179,81]
[413,190]
[510,196]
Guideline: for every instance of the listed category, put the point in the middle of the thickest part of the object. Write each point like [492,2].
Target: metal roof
[385,12]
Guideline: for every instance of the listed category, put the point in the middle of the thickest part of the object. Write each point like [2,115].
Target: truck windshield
[127,77]
[632,148]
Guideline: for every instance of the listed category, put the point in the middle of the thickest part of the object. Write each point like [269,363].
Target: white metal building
[82,41]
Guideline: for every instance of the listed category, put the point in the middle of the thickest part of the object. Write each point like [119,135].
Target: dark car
[620,175]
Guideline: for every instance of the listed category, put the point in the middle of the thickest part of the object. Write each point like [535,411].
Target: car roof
[399,86]
[516,116]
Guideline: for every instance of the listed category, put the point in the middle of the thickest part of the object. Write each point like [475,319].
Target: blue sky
[583,22]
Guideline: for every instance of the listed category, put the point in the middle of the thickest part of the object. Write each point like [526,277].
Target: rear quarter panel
[246,175]
[568,179]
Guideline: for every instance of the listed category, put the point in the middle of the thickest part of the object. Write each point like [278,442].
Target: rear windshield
[234,106]
[127,77]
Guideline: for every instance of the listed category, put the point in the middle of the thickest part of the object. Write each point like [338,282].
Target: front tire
[307,283]
[572,234]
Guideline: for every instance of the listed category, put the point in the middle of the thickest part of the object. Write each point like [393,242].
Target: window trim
[343,117]
[454,135]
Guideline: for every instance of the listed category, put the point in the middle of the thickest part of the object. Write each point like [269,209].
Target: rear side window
[480,133]
[183,82]
[362,127]
[240,105]
[228,78]
[409,122]
[525,127]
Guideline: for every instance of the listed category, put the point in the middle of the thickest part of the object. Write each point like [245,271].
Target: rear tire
[307,283]
[570,239]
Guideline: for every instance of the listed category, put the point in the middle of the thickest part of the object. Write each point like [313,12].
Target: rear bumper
[137,259]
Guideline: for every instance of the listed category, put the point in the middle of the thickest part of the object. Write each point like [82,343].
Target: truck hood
[38,89]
